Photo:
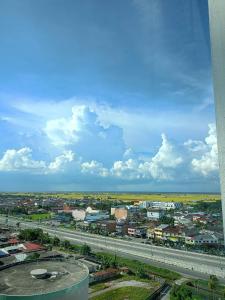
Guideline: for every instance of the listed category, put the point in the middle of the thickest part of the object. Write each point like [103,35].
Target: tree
[213,283]
[66,244]
[85,250]
[180,292]
[35,234]
[55,241]
[33,256]
[140,272]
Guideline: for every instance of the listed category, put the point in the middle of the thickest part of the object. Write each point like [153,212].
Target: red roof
[106,272]
[33,247]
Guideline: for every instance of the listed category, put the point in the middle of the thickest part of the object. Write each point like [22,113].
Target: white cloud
[166,164]
[94,168]
[22,161]
[128,169]
[61,162]
[208,161]
[65,131]
[164,161]
[158,167]
[17,160]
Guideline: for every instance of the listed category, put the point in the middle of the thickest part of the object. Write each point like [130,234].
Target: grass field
[37,217]
[135,265]
[103,285]
[176,197]
[128,293]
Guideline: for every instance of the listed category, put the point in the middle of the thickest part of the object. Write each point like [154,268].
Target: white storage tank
[54,279]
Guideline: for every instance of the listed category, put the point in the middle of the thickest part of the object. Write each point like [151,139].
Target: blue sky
[106,95]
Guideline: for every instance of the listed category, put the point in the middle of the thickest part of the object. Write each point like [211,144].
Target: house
[121,228]
[120,213]
[136,231]
[106,226]
[160,230]
[174,233]
[103,275]
[202,239]
[32,247]
[155,214]
[124,212]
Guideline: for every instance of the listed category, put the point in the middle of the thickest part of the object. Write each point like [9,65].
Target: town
[193,226]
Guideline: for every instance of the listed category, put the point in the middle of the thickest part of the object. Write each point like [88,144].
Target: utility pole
[217,34]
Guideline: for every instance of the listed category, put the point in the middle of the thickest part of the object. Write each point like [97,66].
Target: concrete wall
[217,33]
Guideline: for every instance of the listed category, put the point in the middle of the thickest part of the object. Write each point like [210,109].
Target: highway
[187,263]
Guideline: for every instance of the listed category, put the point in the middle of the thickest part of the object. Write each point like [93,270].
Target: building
[155,214]
[103,275]
[160,231]
[79,214]
[121,213]
[160,205]
[89,215]
[107,226]
[124,212]
[202,239]
[121,228]
[136,231]
[217,34]
[52,279]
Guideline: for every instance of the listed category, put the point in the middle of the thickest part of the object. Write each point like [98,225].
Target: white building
[79,214]
[160,205]
[89,215]
[155,214]
[202,239]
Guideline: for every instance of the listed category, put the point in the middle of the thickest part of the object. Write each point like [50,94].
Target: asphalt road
[187,263]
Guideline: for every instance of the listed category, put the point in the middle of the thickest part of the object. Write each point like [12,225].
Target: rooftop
[17,280]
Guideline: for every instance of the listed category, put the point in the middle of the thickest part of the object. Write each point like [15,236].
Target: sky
[106,96]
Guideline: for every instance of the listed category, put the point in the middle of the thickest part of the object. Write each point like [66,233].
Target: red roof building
[31,247]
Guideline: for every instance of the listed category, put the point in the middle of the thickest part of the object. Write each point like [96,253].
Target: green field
[128,293]
[176,197]
[37,217]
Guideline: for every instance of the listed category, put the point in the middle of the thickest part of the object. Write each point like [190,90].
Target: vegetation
[33,256]
[85,250]
[213,282]
[128,293]
[35,234]
[136,267]
[177,197]
[182,292]
[37,217]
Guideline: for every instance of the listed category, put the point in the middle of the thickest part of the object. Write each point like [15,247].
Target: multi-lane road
[188,263]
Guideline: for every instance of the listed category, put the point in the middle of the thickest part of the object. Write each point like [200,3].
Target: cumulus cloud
[166,164]
[61,161]
[128,169]
[22,161]
[84,134]
[165,160]
[16,160]
[208,161]
[94,168]
[159,167]
[64,131]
